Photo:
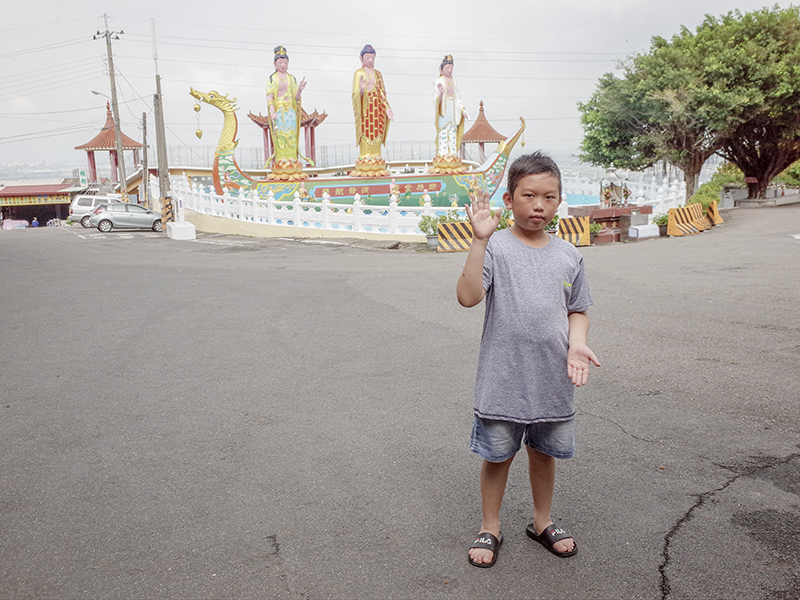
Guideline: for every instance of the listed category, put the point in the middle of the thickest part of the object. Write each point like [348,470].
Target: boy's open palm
[480,215]
[579,359]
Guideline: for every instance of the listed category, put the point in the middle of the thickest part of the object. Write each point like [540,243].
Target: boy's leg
[493,486]
[542,473]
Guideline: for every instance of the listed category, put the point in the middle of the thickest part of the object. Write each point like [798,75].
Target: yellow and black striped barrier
[575,230]
[681,222]
[167,214]
[457,237]
[713,213]
[699,219]
[454,237]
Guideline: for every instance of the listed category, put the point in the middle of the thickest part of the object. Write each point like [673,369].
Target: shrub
[791,175]
[710,190]
[429,224]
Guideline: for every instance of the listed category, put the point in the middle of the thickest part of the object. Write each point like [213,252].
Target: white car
[81,207]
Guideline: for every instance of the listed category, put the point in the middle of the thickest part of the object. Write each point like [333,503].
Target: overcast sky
[529,58]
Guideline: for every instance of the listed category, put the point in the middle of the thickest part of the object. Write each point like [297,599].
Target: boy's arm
[469,289]
[579,356]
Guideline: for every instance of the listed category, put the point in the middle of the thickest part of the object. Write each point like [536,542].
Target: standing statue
[372,114]
[285,111]
[450,116]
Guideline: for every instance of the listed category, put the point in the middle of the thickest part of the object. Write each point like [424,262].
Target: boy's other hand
[579,359]
[480,215]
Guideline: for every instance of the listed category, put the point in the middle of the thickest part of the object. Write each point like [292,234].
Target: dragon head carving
[214,98]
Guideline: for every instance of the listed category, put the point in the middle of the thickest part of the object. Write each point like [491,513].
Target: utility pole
[145,173]
[123,182]
[167,212]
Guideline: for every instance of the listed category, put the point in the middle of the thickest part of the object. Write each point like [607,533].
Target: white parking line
[128,235]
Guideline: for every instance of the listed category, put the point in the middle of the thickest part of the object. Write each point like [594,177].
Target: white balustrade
[324,214]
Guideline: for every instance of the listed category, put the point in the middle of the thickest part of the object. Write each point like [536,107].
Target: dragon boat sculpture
[444,190]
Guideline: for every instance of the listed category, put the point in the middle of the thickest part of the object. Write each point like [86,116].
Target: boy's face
[535,201]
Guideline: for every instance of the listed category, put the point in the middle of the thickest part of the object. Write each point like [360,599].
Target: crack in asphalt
[621,428]
[664,584]
[761,464]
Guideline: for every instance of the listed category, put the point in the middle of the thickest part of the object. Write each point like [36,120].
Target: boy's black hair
[531,164]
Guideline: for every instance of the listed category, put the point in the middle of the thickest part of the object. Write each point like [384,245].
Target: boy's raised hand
[579,358]
[480,215]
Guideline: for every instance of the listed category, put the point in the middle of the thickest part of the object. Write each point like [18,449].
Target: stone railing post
[326,210]
[297,210]
[393,216]
[357,213]
[226,204]
[271,208]
[254,200]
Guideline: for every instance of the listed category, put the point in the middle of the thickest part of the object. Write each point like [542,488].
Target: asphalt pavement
[275,418]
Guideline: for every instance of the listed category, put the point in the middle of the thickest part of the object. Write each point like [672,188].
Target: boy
[533,348]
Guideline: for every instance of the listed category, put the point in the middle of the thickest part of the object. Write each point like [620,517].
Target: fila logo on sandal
[556,532]
[483,540]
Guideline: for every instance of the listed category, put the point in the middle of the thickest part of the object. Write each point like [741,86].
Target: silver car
[124,216]
[81,207]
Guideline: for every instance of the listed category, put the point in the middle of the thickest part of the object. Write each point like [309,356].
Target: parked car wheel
[157,226]
[85,221]
[104,226]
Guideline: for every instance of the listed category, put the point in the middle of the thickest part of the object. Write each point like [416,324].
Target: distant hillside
[37,170]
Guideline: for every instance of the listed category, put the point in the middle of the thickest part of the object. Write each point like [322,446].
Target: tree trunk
[691,171]
[692,183]
[756,189]
[762,150]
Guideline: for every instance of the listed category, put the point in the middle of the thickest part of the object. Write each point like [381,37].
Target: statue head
[281,59]
[446,68]
[368,56]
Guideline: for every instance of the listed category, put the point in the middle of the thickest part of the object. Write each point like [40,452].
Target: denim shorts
[496,441]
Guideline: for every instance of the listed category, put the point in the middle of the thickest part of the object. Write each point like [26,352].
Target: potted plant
[552,226]
[594,229]
[429,225]
[661,220]
[506,219]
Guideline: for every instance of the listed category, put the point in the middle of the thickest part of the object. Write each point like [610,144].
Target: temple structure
[105,141]
[481,133]
[308,123]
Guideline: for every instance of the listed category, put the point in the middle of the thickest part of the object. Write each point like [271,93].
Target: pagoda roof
[106,139]
[481,131]
[306,119]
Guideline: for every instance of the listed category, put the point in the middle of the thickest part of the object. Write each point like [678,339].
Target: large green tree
[728,88]
[764,49]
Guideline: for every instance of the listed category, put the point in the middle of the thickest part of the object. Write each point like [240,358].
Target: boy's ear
[507,200]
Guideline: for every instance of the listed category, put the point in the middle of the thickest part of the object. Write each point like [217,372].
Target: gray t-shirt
[522,367]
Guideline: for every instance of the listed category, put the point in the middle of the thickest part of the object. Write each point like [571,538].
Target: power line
[48,88]
[38,73]
[440,40]
[23,137]
[387,53]
[65,77]
[43,48]
[40,25]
